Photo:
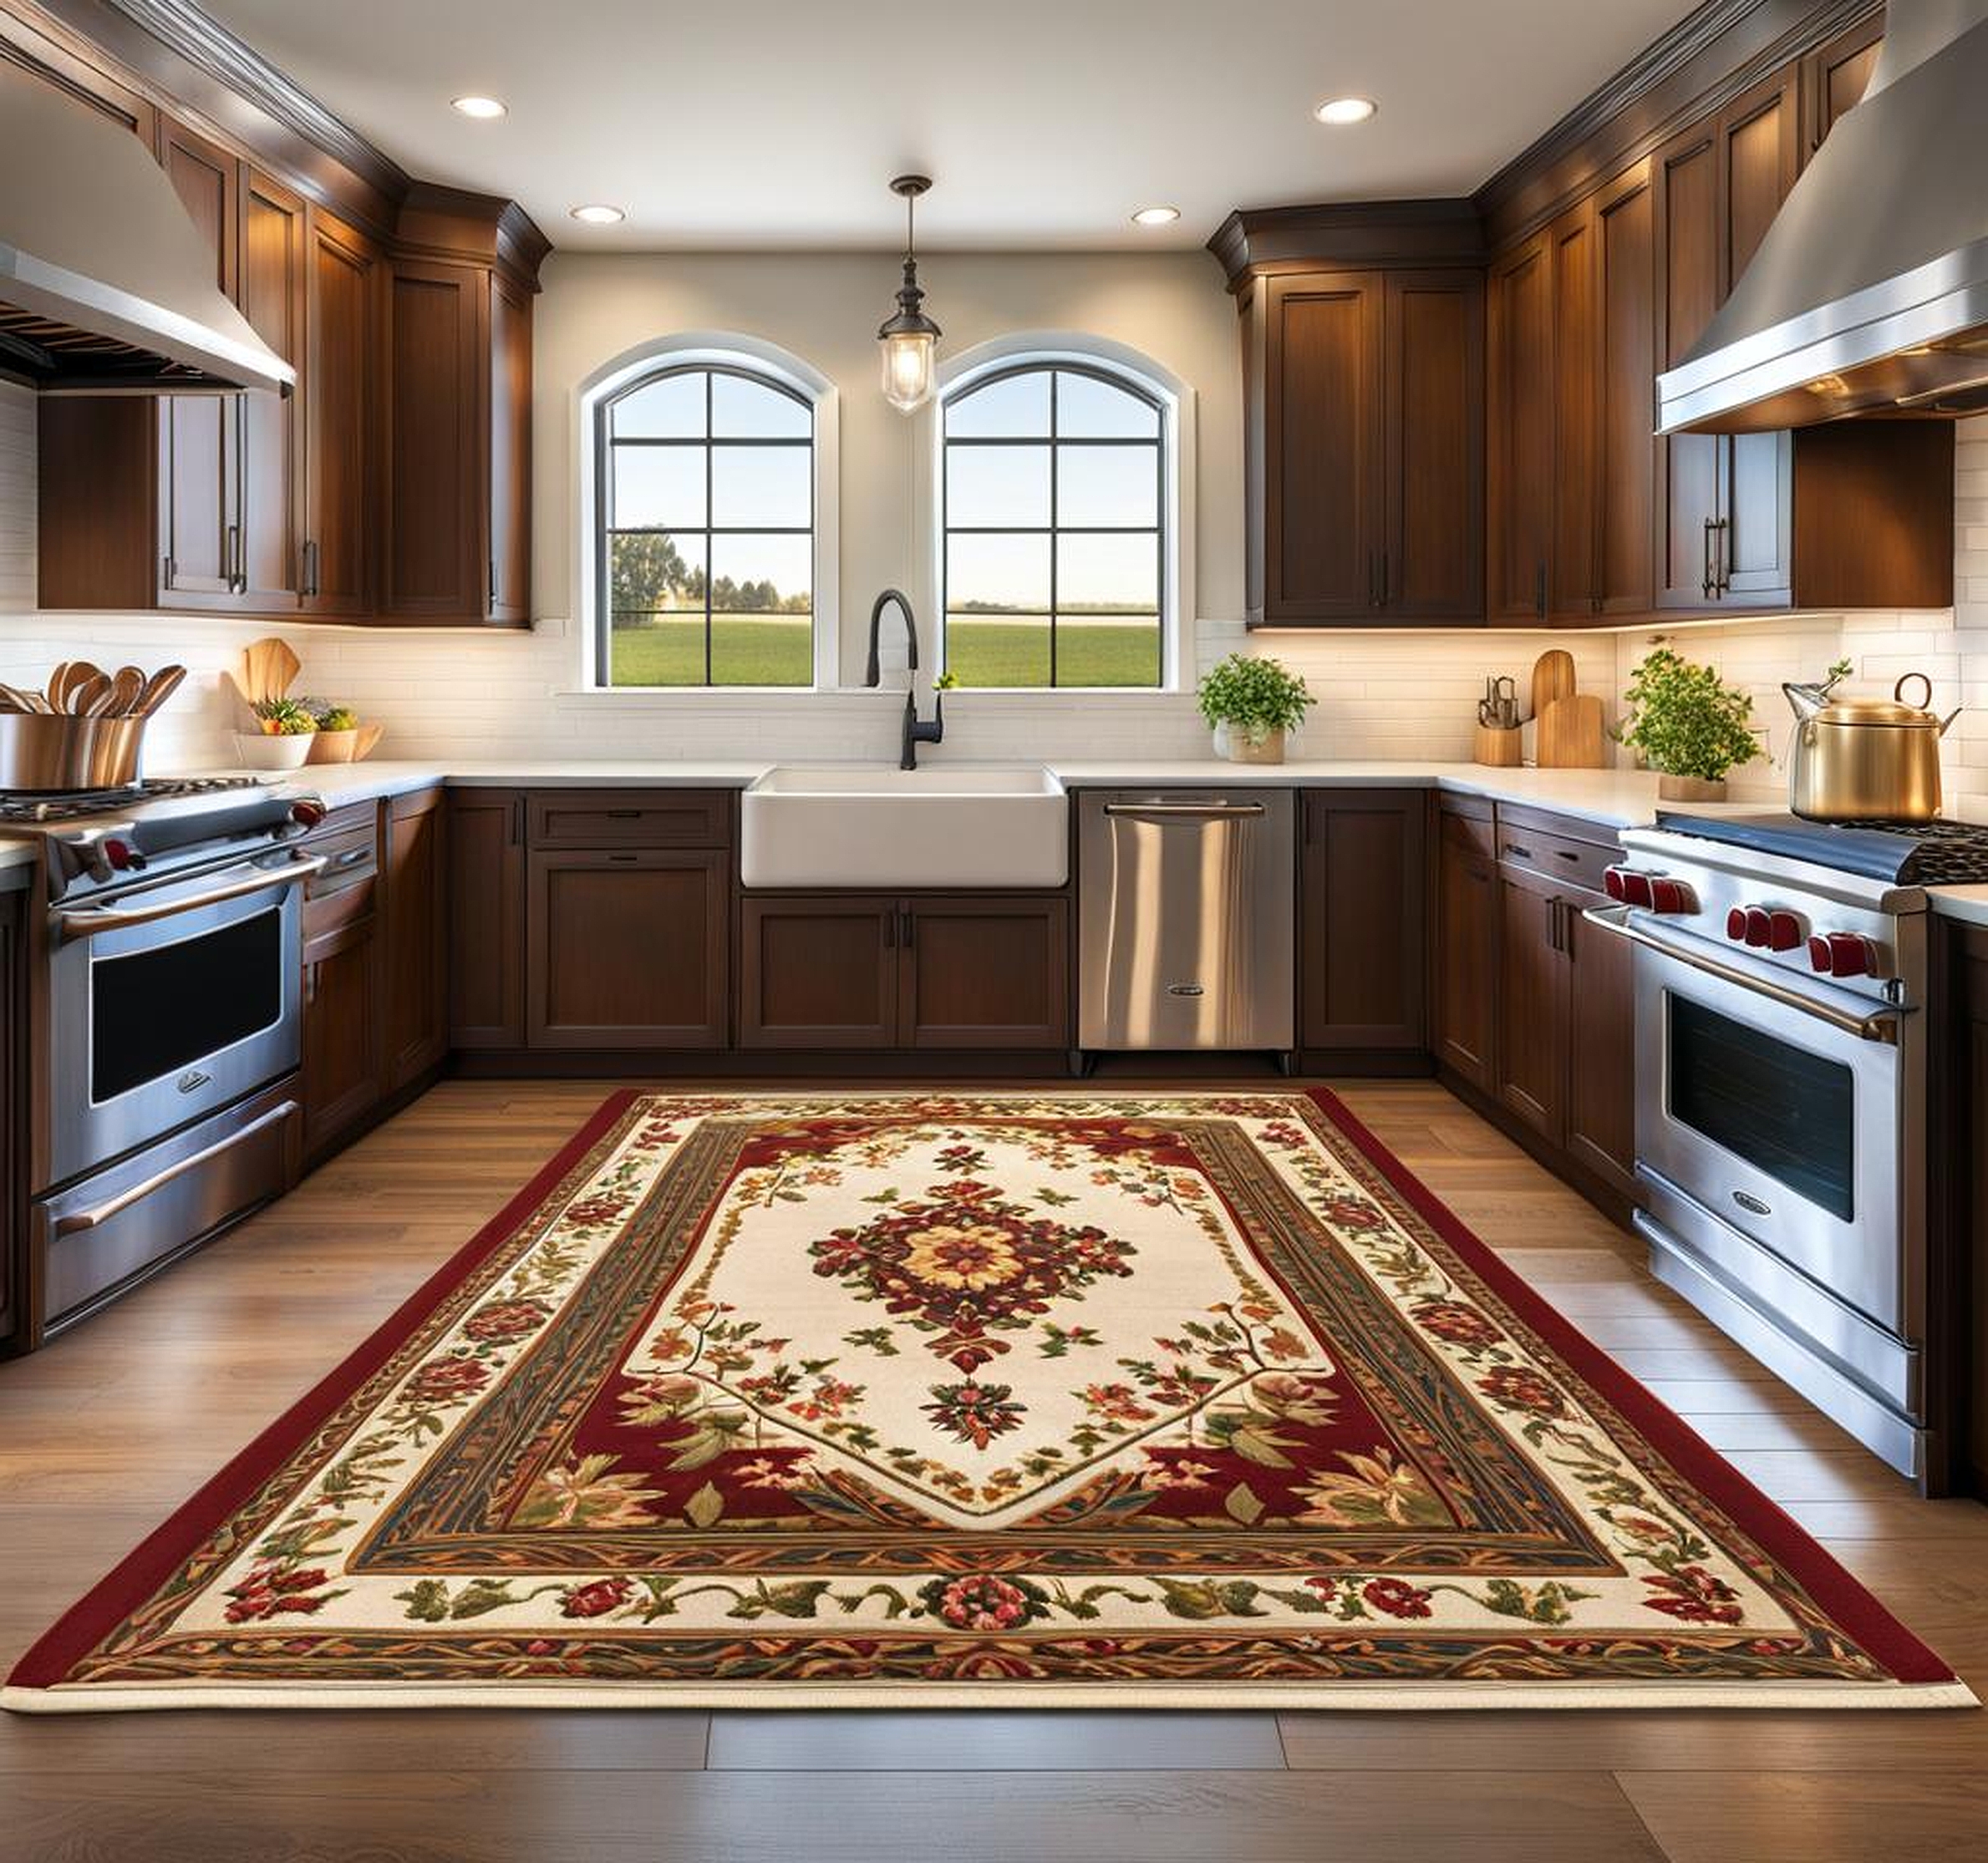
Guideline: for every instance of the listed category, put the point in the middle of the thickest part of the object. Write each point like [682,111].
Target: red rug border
[1783,1538]
[140,1572]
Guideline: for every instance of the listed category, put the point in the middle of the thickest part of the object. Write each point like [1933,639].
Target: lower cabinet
[869,971]
[1361,881]
[485,861]
[342,1029]
[414,869]
[1464,976]
[627,947]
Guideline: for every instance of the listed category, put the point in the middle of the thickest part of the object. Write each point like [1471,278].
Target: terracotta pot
[1689,789]
[1242,749]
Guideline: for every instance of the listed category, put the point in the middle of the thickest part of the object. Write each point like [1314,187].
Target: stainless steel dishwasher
[1185,916]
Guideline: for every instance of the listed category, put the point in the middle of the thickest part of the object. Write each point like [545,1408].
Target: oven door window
[1785,1111]
[157,1012]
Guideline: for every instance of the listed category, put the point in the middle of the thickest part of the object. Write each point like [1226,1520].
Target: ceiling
[1045,123]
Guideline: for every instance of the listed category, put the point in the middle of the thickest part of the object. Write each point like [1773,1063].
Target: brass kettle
[1864,759]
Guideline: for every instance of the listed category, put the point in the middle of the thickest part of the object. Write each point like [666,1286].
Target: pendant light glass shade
[909,338]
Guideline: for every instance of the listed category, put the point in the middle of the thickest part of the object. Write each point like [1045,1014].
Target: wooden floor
[102,1434]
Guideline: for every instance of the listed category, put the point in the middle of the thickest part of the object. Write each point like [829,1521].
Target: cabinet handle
[517,821]
[1517,852]
[237,582]
[167,569]
[310,565]
[1722,570]
[493,585]
[1705,581]
[890,929]
[908,936]
[310,983]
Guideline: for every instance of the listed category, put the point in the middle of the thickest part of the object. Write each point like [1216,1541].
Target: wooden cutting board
[1571,734]
[1553,677]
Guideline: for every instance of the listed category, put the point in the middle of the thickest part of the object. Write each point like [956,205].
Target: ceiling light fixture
[599,214]
[483,109]
[1155,216]
[1340,111]
[909,337]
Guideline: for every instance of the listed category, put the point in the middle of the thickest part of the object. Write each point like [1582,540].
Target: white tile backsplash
[1381,694]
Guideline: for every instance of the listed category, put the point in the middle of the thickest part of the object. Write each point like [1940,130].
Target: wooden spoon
[19,701]
[126,684]
[57,680]
[160,688]
[90,696]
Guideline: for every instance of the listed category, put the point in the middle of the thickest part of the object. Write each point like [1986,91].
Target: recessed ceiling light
[599,214]
[481,108]
[1340,111]
[1156,217]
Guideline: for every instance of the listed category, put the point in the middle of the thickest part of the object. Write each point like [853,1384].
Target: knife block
[1499,748]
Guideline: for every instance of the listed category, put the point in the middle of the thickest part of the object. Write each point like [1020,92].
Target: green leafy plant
[1684,720]
[338,717]
[946,682]
[284,718]
[1254,697]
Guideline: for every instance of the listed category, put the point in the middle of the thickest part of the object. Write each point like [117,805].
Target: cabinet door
[198,491]
[485,857]
[1836,77]
[416,956]
[1323,447]
[274,273]
[1361,981]
[437,514]
[14,1114]
[341,1032]
[1686,175]
[1432,560]
[1532,997]
[1575,242]
[990,972]
[341,385]
[1754,549]
[1467,929]
[1625,236]
[627,947]
[1601,1046]
[1519,427]
[818,971]
[509,569]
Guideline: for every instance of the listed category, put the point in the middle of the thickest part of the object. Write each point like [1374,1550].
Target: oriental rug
[1034,1398]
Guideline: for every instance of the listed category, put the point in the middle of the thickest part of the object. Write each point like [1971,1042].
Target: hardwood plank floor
[105,1433]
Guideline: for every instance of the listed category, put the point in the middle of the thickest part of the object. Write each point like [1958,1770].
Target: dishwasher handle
[1190,811]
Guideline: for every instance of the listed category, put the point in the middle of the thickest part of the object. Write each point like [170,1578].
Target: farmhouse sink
[872,825]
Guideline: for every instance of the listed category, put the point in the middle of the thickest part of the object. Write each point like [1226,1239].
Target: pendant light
[910,338]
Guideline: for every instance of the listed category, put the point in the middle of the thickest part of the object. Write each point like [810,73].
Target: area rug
[1030,1399]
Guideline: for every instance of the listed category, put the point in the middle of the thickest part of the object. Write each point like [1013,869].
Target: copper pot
[1864,759]
[52,751]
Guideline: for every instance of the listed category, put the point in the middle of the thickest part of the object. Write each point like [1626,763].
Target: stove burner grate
[32,806]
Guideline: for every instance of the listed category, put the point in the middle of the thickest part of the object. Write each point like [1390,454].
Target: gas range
[1915,854]
[95,839]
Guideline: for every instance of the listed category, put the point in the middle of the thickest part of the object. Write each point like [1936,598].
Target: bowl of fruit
[283,738]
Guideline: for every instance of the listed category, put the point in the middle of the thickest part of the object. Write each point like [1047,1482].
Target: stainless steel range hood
[1869,293]
[106,285]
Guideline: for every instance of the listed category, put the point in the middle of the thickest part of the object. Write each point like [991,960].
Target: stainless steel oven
[169,1000]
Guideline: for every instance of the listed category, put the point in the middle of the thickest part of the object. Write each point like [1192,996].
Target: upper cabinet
[1363,422]
[394,484]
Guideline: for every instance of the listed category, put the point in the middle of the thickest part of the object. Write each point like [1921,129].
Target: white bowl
[261,751]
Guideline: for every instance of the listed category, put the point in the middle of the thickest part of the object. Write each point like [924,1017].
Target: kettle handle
[1898,692]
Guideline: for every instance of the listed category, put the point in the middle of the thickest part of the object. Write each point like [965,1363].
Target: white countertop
[1615,797]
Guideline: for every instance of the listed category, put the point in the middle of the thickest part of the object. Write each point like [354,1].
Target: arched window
[704,492]
[1055,552]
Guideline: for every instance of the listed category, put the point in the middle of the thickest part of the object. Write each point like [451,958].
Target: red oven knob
[1671,896]
[1760,926]
[121,855]
[1736,924]
[1627,884]
[1842,954]
[1784,931]
[307,814]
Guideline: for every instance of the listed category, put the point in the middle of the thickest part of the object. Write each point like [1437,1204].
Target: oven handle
[86,922]
[102,1213]
[1882,1028]
[1190,811]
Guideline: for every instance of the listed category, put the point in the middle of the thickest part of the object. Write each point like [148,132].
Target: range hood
[105,284]
[1869,293]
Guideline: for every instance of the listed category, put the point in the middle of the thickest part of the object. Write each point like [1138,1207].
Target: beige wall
[824,308]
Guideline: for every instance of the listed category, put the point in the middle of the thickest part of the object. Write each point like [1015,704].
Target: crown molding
[1254,240]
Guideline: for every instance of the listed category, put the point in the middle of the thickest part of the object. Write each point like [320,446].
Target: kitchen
[563,860]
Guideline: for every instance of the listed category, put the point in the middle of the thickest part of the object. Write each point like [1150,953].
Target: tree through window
[1055,530]
[706,477]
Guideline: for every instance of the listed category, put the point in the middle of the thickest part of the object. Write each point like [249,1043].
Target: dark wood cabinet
[1835,77]
[1601,1130]
[1363,408]
[14,1102]
[830,971]
[1464,968]
[1573,543]
[340,387]
[1957,1150]
[457,447]
[1361,914]
[1520,421]
[627,947]
[485,858]
[1530,1064]
[1625,369]
[342,1078]
[414,871]
[274,287]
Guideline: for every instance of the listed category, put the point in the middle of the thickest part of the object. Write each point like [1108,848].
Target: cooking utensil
[1865,759]
[91,698]
[126,684]
[270,667]
[160,688]
[1571,735]
[45,750]
[1553,677]
[1505,693]
[20,701]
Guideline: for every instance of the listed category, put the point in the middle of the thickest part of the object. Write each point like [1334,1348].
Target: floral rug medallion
[1018,1398]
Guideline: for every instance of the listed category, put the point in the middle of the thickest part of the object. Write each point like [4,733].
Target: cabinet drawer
[631,818]
[1524,839]
[345,890]
[340,824]
[1468,827]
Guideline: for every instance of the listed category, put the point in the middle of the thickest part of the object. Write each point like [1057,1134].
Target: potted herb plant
[1691,727]
[1253,702]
